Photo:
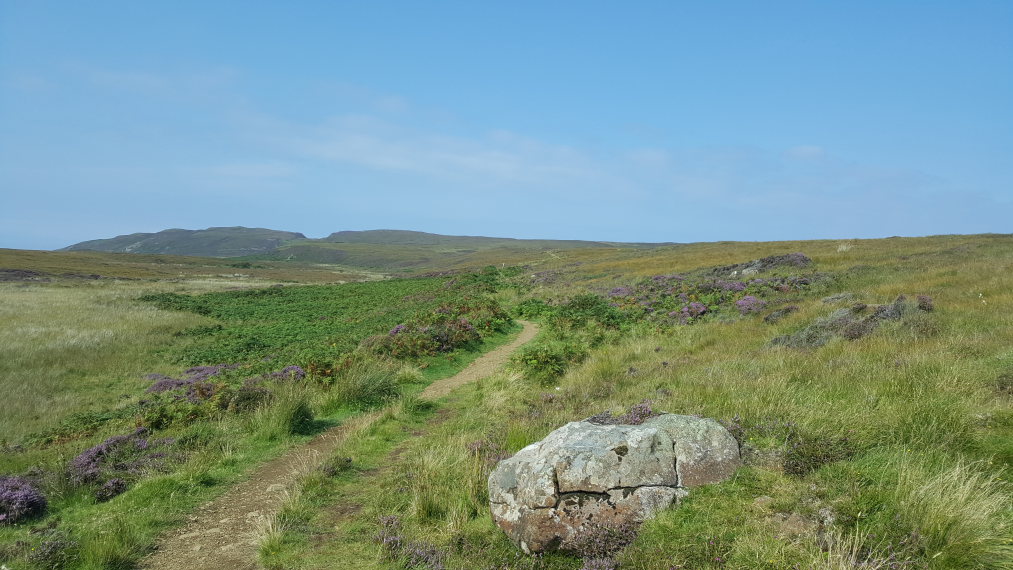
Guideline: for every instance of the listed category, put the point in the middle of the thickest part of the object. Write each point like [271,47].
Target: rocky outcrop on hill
[791,260]
[586,474]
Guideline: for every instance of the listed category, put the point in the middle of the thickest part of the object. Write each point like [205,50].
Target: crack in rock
[587,473]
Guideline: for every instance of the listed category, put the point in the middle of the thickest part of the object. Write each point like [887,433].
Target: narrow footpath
[222,534]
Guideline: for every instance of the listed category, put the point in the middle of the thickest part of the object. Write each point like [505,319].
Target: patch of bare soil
[222,534]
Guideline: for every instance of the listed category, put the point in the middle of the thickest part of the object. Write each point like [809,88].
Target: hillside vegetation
[387,250]
[212,242]
[867,381]
[869,390]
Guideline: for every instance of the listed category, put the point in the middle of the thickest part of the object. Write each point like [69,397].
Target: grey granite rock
[587,473]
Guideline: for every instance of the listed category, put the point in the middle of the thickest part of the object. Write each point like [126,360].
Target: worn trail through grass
[223,533]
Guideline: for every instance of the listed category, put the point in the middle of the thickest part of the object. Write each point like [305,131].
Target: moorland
[869,384]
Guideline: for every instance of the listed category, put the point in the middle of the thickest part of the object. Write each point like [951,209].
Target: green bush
[532,308]
[544,361]
[584,310]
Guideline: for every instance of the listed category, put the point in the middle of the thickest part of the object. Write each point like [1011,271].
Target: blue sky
[635,121]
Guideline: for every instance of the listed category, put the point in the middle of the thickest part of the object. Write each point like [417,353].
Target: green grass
[75,349]
[923,479]
[281,322]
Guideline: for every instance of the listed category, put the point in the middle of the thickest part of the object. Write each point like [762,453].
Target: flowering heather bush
[693,310]
[250,396]
[288,373]
[411,554]
[621,292]
[55,551]
[735,286]
[196,380]
[638,414]
[750,304]
[19,500]
[598,544]
[110,489]
[119,456]
[446,328]
[852,323]
[489,452]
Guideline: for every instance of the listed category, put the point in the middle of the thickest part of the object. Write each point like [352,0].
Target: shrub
[446,329]
[638,414]
[532,308]
[749,304]
[598,544]
[55,551]
[544,361]
[587,309]
[250,396]
[410,554]
[110,489]
[118,456]
[853,323]
[19,500]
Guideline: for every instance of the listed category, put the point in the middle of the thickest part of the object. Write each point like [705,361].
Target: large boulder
[588,474]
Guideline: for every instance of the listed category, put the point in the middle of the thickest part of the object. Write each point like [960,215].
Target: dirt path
[222,534]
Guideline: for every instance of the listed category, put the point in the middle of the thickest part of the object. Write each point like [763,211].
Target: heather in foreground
[878,436]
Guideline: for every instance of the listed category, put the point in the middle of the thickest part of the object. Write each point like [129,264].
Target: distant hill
[386,250]
[404,237]
[211,242]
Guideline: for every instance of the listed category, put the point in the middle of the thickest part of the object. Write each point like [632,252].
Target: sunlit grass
[70,349]
[928,480]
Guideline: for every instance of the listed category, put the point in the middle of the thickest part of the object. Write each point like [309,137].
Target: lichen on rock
[586,473]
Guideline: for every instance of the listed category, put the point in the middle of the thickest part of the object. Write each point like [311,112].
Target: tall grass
[71,349]
[889,451]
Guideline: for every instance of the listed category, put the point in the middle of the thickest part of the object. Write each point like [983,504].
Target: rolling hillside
[396,251]
[211,242]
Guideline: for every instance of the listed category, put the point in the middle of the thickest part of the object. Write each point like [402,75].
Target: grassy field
[891,449]
[871,441]
[105,420]
[189,272]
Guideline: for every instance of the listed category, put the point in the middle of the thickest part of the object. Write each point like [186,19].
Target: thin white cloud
[497,157]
